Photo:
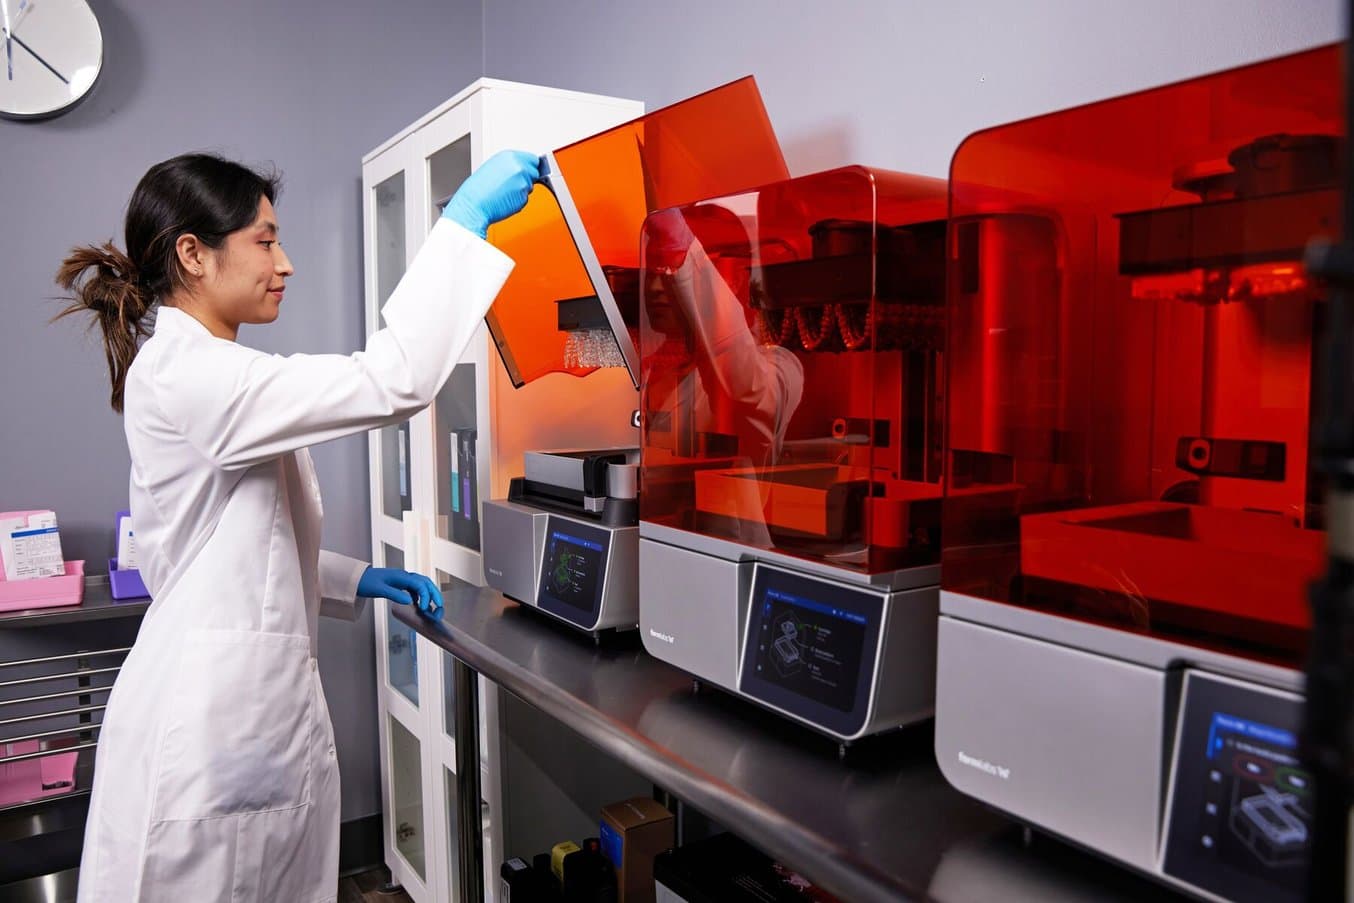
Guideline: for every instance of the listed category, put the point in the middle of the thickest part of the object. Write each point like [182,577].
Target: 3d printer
[565,539]
[791,345]
[1131,519]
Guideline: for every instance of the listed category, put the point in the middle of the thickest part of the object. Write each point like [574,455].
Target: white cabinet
[428,476]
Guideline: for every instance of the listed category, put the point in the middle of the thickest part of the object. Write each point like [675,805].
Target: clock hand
[9,46]
[20,41]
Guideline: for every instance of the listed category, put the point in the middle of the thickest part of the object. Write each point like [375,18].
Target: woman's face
[243,280]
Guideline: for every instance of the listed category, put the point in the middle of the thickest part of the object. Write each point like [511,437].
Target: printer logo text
[983,765]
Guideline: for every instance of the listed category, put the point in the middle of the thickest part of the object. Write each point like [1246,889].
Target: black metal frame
[469,823]
[1328,728]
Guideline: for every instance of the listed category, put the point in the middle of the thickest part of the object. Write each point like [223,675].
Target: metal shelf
[881,825]
[97,605]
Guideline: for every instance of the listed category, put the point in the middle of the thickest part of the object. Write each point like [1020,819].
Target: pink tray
[44,592]
[26,780]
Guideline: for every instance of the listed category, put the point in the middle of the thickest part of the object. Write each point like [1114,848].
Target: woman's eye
[268,245]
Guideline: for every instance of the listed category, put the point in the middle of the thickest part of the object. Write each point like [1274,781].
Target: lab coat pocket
[239,729]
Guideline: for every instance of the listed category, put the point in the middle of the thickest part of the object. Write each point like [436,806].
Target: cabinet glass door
[455,438]
[455,424]
[407,773]
[402,648]
[401,640]
[446,582]
[459,440]
[390,220]
[448,167]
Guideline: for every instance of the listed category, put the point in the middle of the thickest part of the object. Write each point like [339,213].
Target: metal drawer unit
[56,671]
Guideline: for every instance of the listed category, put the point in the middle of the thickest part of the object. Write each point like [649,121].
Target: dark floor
[366,887]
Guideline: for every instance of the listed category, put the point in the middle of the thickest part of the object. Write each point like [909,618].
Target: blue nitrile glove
[495,191]
[404,587]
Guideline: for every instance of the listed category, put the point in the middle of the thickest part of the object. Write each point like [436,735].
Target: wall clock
[51,53]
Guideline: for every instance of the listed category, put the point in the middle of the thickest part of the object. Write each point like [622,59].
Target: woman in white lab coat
[215,776]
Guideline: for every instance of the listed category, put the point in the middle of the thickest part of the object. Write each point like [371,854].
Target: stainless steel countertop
[882,825]
[98,604]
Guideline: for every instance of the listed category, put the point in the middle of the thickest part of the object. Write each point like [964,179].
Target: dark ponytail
[193,194]
[111,291]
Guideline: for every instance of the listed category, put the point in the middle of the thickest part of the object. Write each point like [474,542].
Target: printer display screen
[1241,813]
[573,570]
[811,647]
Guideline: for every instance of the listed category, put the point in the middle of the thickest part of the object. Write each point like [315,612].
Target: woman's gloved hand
[403,587]
[495,191]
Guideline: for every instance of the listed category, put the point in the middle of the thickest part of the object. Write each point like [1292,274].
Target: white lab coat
[215,777]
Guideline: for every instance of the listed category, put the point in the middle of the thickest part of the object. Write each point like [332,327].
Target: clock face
[51,52]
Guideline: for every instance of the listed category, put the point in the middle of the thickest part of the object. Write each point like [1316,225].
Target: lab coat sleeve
[338,585]
[240,407]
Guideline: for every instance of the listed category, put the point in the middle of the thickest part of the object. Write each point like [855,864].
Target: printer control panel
[573,571]
[1241,803]
[810,648]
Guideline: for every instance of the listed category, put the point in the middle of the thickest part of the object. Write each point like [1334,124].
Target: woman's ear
[191,254]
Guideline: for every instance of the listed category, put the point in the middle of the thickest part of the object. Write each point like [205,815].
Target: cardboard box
[633,832]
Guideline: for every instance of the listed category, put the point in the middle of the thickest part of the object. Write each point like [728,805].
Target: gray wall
[306,85]
[890,83]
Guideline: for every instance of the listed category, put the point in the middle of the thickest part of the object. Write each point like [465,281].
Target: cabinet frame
[494,115]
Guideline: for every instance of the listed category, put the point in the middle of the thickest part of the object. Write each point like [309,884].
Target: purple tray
[126,584]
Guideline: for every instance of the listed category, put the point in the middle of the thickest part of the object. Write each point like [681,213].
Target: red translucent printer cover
[711,144]
[1132,346]
[791,344]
